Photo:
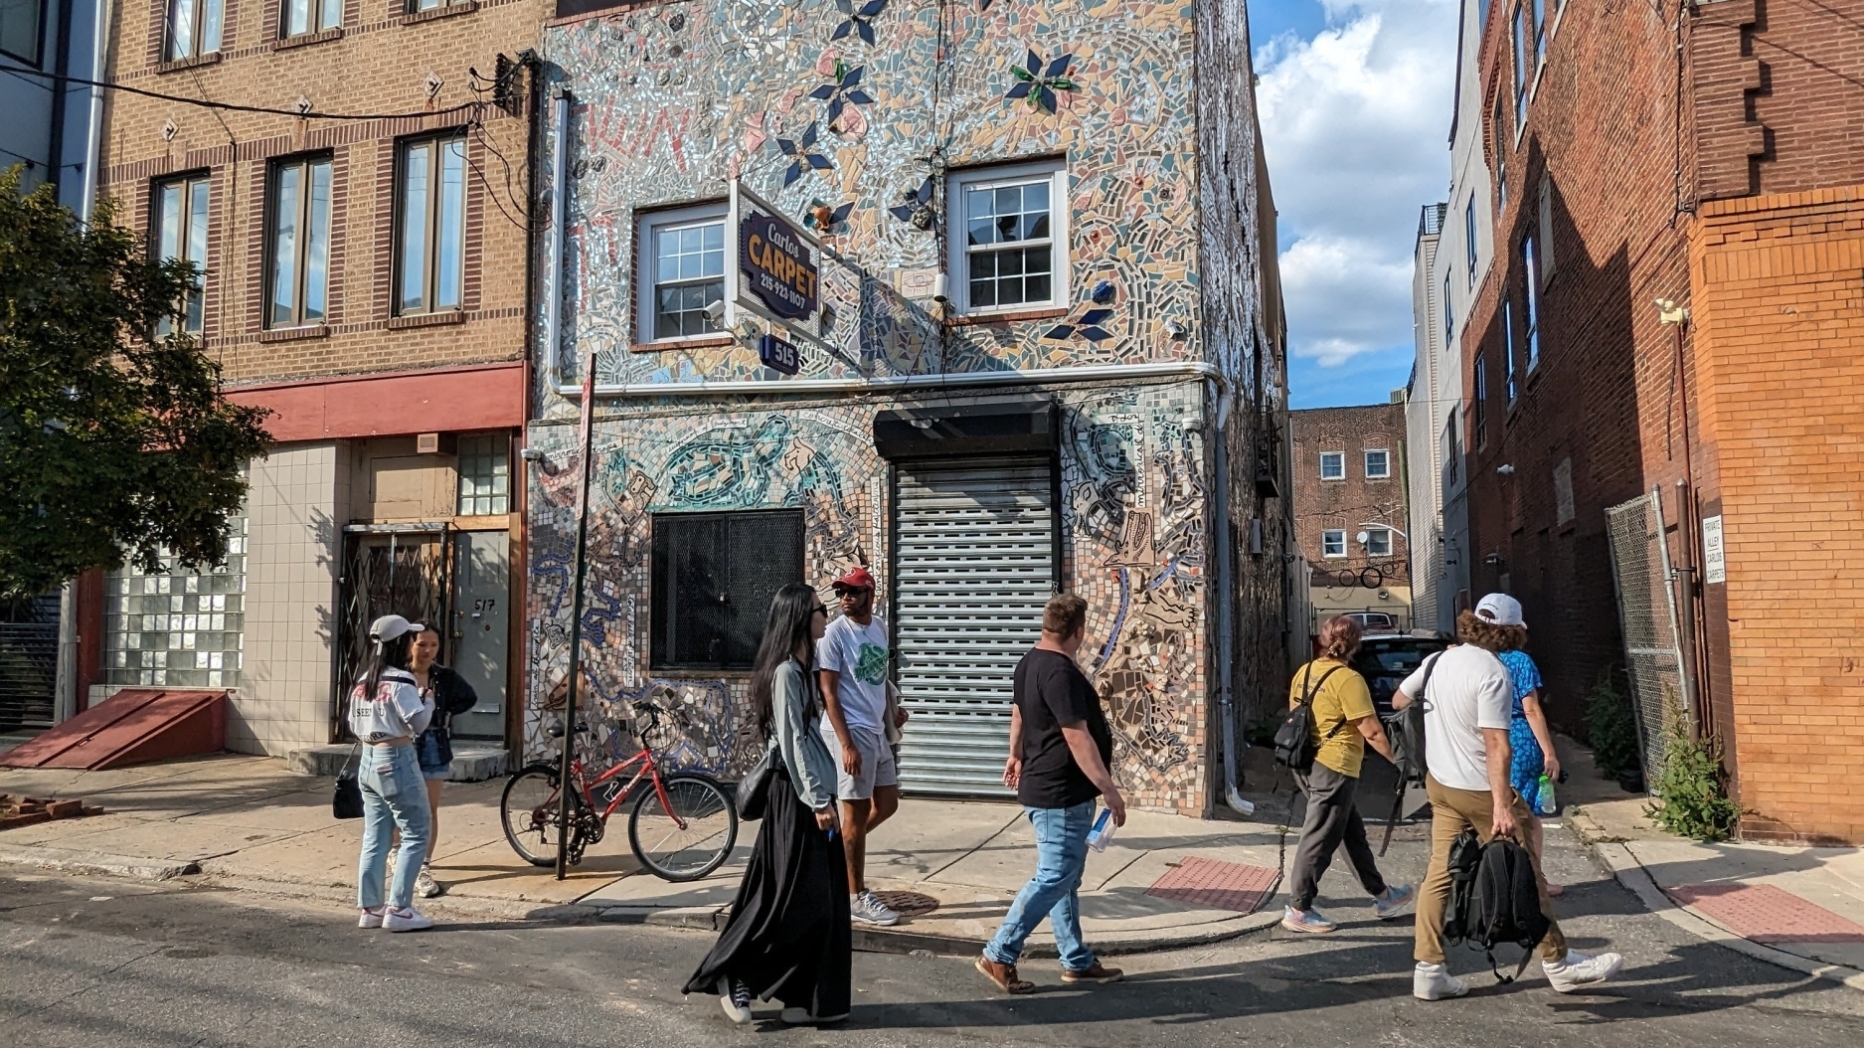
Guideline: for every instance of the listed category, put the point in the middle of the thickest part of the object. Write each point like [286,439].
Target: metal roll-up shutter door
[976,564]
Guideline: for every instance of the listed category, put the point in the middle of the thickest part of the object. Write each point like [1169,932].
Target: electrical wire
[233,107]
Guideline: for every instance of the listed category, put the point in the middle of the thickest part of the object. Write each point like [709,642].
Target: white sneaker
[408,920]
[1433,982]
[867,908]
[1576,970]
[801,1017]
[371,918]
[425,886]
[735,998]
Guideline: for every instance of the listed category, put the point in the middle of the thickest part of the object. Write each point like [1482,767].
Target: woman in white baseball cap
[386,712]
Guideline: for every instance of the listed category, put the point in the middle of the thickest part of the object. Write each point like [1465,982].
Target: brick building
[1349,481]
[363,250]
[1709,157]
[1046,352]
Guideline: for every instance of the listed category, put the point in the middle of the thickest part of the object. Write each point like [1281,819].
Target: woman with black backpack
[1341,722]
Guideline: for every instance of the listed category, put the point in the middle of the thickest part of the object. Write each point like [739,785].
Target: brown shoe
[1004,975]
[1099,973]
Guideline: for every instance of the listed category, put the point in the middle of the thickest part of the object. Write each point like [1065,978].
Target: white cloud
[1355,122]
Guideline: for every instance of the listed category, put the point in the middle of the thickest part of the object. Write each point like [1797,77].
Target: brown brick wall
[1631,146]
[1325,504]
[378,64]
[1780,341]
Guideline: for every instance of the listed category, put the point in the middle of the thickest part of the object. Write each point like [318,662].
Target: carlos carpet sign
[777,266]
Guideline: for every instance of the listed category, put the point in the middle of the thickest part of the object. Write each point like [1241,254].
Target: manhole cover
[909,904]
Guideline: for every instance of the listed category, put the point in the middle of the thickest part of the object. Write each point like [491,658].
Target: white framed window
[1378,464]
[1378,542]
[1009,239]
[1333,465]
[1333,542]
[1519,43]
[194,28]
[679,271]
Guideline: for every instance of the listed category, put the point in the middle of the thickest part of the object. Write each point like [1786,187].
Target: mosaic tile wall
[1134,502]
[672,100]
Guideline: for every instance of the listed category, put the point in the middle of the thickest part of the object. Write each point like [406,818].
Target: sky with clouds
[1355,104]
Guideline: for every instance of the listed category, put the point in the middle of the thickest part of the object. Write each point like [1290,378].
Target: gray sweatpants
[1332,819]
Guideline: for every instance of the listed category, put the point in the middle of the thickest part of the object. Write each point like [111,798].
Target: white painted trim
[712,212]
[1366,466]
[1324,555]
[1056,173]
[1323,466]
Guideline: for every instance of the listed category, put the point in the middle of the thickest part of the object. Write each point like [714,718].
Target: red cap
[857,579]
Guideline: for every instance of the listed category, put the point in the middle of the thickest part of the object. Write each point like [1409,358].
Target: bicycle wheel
[677,853]
[529,813]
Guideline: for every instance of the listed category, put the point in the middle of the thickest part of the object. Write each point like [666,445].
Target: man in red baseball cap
[853,659]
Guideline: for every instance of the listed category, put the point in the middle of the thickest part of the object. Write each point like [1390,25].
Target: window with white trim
[194,28]
[1378,542]
[1333,465]
[680,270]
[1333,542]
[1378,464]
[1009,239]
[1519,43]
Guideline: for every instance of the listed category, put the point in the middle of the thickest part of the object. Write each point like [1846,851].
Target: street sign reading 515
[778,355]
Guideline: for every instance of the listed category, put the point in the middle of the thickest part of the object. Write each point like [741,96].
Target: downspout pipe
[93,146]
[559,193]
[1226,612]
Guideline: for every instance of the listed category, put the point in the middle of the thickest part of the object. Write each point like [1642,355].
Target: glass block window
[485,475]
[178,629]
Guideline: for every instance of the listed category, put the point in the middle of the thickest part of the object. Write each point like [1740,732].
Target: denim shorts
[435,755]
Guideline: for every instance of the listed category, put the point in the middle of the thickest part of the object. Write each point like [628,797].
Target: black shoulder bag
[347,803]
[1295,745]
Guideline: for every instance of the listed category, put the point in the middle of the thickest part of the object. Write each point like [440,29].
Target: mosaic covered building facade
[1124,348]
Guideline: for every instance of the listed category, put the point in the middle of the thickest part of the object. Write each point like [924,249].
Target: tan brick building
[1715,163]
[364,275]
[1349,481]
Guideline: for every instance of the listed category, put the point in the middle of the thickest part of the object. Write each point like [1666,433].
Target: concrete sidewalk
[952,867]
[1798,907]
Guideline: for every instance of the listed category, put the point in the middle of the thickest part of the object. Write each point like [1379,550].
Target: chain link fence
[1647,612]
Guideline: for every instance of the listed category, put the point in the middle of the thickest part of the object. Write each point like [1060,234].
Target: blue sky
[1355,104]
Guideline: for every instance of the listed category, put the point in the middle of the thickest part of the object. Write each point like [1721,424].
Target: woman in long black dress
[788,935]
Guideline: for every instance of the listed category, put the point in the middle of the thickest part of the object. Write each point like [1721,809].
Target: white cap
[1501,609]
[389,627]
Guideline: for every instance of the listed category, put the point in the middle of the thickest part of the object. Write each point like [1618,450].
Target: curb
[1624,866]
[72,861]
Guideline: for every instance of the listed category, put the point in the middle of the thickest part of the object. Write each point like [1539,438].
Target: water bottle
[1545,801]
[1102,834]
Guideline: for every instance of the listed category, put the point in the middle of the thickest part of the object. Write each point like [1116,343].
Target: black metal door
[28,662]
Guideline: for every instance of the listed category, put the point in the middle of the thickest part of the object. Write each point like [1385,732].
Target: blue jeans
[1054,892]
[394,797]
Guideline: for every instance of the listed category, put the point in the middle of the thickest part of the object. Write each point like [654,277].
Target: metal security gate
[1642,576]
[975,561]
[398,569]
[28,662]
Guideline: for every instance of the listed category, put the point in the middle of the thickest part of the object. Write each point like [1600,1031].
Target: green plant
[1692,792]
[1611,730]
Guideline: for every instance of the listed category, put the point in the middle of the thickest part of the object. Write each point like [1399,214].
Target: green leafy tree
[115,445]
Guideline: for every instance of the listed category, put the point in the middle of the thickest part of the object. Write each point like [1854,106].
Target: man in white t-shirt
[1468,701]
[852,659]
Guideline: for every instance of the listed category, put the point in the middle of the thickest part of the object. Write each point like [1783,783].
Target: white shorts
[877,765]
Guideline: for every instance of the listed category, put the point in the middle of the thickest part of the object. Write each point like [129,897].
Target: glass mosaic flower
[844,92]
[1038,84]
[1086,326]
[802,153]
[825,219]
[858,20]
[917,206]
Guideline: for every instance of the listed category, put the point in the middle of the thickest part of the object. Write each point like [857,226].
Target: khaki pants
[1451,812]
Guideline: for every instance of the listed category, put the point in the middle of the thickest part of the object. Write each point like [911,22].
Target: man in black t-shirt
[1060,747]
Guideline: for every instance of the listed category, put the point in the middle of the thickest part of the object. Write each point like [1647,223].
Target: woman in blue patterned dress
[1528,734]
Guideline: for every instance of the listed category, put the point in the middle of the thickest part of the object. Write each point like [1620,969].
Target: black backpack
[1494,898]
[1294,737]
[1405,730]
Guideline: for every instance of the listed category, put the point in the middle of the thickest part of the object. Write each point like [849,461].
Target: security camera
[1193,423]
[531,454]
[941,288]
[715,312]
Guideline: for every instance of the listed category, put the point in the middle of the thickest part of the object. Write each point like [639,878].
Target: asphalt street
[98,961]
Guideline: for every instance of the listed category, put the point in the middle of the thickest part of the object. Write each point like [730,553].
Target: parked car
[1374,621]
[1385,661]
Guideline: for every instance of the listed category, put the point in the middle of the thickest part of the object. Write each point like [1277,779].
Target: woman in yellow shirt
[1344,722]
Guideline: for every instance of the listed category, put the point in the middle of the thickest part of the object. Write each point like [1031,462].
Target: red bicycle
[681,829]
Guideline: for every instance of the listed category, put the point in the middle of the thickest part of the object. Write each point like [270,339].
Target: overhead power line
[234,107]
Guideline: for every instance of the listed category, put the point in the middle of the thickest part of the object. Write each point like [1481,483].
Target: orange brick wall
[379,63]
[1778,287]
